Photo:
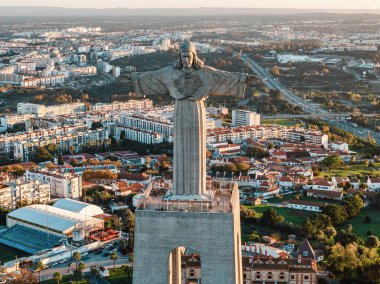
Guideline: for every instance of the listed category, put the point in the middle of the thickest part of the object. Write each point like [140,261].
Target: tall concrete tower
[195,214]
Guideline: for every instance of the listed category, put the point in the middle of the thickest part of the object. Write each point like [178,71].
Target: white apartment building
[7,141]
[6,200]
[339,145]
[217,110]
[264,132]
[136,105]
[24,150]
[308,136]
[10,120]
[26,192]
[41,110]
[136,134]
[83,71]
[245,118]
[149,122]
[29,108]
[64,185]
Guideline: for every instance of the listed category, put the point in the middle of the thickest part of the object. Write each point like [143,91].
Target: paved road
[311,108]
[273,83]
[89,260]
[359,131]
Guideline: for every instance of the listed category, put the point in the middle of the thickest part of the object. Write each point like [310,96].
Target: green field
[118,276]
[291,215]
[65,280]
[287,197]
[360,228]
[8,253]
[282,122]
[353,170]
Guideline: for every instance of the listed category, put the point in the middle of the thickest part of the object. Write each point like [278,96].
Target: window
[305,253]
[306,277]
[258,275]
[270,276]
[292,277]
[192,273]
[282,276]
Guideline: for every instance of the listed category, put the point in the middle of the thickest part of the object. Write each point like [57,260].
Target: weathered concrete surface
[216,236]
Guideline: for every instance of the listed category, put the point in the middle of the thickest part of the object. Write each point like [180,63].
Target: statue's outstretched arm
[227,83]
[148,83]
[230,83]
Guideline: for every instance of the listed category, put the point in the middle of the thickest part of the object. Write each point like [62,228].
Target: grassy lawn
[360,228]
[291,215]
[353,170]
[118,276]
[8,253]
[65,280]
[282,122]
[287,197]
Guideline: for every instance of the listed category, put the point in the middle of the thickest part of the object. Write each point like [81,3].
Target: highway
[273,83]
[312,109]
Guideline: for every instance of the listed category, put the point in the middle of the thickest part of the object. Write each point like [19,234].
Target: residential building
[25,192]
[282,270]
[339,145]
[245,118]
[373,183]
[306,251]
[66,185]
[136,105]
[306,205]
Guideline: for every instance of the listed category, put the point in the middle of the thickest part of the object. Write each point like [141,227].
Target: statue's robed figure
[189,82]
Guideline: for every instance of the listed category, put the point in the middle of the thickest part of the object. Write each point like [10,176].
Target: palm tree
[132,258]
[81,266]
[40,266]
[57,276]
[77,257]
[114,257]
[94,270]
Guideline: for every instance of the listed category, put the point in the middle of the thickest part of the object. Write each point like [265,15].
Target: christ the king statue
[190,82]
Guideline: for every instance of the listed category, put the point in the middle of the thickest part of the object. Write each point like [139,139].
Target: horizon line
[171,8]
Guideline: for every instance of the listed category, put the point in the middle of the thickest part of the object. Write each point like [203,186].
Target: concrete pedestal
[215,235]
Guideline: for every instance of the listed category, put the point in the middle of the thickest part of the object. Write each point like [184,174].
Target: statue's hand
[253,79]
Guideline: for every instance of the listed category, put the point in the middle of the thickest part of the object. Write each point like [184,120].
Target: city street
[89,260]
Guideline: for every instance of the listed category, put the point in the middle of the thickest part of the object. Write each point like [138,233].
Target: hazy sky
[301,4]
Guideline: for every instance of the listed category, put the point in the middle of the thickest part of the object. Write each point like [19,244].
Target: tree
[77,257]
[74,162]
[57,276]
[60,160]
[343,258]
[25,277]
[372,242]
[308,228]
[81,266]
[42,155]
[84,97]
[270,217]
[333,162]
[114,257]
[242,167]
[337,213]
[40,266]
[353,205]
[330,232]
[164,166]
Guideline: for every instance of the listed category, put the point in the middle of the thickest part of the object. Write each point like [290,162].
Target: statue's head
[188,57]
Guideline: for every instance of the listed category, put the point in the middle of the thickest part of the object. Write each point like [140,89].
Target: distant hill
[42,11]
